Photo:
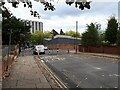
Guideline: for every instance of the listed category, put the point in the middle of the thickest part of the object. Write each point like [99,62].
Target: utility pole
[76,35]
[9,47]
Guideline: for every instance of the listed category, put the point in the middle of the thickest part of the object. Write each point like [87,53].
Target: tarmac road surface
[84,71]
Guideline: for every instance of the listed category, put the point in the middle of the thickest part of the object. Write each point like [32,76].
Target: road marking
[103,75]
[42,61]
[113,75]
[52,59]
[46,60]
[79,84]
[57,58]
[97,68]
[86,78]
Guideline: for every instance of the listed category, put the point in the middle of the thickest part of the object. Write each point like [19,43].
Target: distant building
[35,25]
[62,42]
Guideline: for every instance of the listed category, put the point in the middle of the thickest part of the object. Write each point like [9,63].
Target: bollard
[57,50]
[49,51]
[68,51]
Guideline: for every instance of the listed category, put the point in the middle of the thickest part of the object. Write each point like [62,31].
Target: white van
[38,49]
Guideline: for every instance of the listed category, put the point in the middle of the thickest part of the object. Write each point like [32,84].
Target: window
[32,27]
[36,25]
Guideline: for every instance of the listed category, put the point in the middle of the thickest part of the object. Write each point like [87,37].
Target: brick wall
[61,46]
[100,49]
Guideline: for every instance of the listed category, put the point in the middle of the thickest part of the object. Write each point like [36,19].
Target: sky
[65,16]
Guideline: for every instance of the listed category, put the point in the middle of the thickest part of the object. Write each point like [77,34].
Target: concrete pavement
[99,54]
[103,55]
[25,73]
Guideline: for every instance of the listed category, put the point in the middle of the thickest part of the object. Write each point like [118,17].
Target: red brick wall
[100,49]
[97,49]
[61,46]
[111,50]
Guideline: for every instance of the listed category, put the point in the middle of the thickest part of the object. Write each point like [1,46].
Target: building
[62,42]
[35,25]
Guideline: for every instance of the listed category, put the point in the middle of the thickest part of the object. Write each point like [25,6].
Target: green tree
[91,36]
[37,37]
[85,40]
[47,34]
[72,33]
[102,36]
[47,5]
[118,37]
[20,31]
[61,32]
[111,31]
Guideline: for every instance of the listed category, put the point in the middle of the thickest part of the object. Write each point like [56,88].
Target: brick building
[62,42]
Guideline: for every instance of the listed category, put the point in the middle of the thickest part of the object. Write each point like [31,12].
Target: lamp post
[76,36]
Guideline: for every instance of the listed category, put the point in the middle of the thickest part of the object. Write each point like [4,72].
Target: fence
[100,49]
[8,57]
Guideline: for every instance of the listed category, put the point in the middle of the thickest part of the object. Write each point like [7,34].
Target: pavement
[26,73]
[99,54]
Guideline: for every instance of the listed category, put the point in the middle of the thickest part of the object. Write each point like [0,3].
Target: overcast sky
[65,16]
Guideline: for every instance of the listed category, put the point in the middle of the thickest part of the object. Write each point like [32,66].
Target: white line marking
[42,61]
[97,68]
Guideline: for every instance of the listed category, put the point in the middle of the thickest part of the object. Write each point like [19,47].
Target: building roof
[65,36]
[48,39]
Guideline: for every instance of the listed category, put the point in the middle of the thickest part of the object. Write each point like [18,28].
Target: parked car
[38,49]
[46,48]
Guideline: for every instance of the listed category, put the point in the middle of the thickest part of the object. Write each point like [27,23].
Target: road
[84,71]
[81,71]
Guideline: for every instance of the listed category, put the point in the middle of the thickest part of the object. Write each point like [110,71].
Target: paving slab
[25,73]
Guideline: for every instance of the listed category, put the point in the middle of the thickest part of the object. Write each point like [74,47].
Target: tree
[37,37]
[47,34]
[72,34]
[111,31]
[91,36]
[102,37]
[61,32]
[85,40]
[11,25]
[81,4]
[118,37]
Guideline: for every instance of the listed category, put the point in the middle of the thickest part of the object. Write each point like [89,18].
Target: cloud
[63,10]
[65,16]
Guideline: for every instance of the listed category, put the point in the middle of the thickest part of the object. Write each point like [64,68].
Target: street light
[76,35]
